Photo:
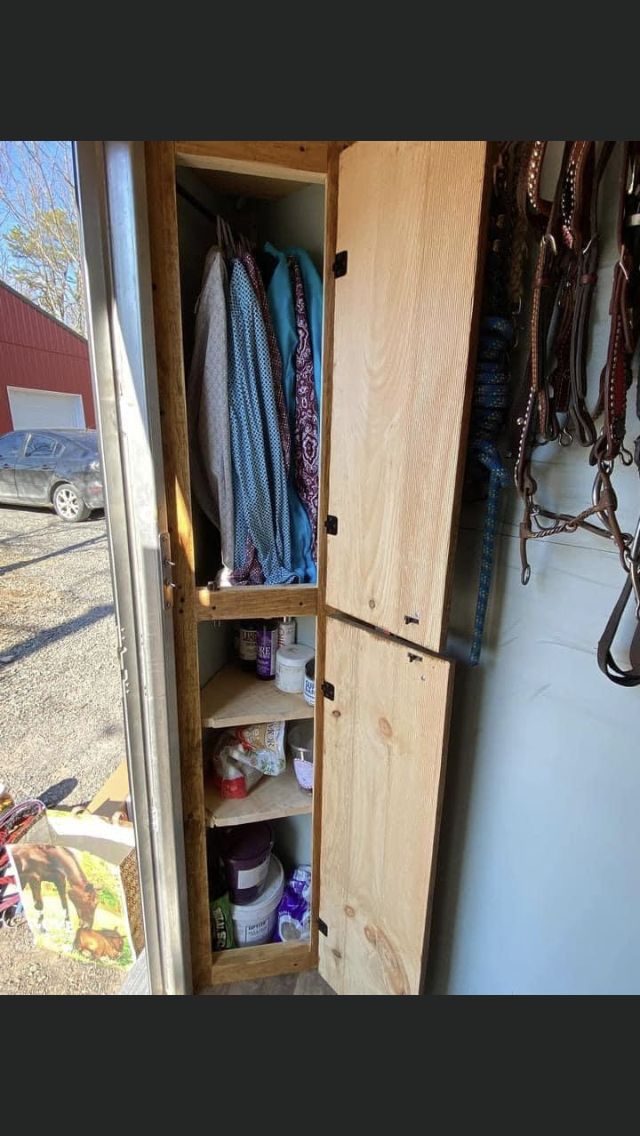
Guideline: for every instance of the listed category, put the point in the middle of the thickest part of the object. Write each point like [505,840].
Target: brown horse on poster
[98,944]
[44,863]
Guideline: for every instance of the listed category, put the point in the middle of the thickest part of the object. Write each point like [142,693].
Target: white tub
[254,923]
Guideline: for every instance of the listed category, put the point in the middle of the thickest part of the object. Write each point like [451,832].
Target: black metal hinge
[340,265]
[331,525]
[329,691]
[322,927]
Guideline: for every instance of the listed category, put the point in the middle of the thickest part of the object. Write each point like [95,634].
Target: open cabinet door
[385,737]
[113,204]
[410,220]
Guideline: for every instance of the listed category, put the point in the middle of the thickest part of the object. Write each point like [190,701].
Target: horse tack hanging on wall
[616,379]
[558,334]
[556,408]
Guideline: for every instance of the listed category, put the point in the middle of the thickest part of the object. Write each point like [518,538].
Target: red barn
[45,378]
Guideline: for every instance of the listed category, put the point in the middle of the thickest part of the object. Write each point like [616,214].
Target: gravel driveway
[61,728]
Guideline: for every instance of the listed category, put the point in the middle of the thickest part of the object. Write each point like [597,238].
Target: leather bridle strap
[545,316]
[606,661]
[543,216]
[576,190]
[624,311]
[586,278]
[616,379]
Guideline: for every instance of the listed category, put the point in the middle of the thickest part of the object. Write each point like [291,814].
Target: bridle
[556,407]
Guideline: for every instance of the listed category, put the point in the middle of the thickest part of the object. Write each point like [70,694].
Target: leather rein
[556,408]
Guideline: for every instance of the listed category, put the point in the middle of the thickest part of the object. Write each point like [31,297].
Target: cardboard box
[113,798]
[79,884]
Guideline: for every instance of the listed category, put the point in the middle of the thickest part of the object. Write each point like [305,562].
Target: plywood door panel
[409,218]
[384,742]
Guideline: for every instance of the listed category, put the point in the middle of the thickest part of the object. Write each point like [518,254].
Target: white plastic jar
[290,665]
[255,922]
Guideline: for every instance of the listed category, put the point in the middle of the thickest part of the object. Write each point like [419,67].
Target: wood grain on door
[410,220]
[385,736]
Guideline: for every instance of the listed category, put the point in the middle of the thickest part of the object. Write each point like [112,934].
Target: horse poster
[79,884]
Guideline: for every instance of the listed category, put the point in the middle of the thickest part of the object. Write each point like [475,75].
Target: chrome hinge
[167,565]
[122,653]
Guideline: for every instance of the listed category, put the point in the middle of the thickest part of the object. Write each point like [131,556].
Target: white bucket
[254,923]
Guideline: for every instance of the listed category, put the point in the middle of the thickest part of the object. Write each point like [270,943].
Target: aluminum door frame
[112,200]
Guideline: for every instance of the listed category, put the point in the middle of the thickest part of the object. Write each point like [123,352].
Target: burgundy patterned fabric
[305,450]
[251,571]
[257,284]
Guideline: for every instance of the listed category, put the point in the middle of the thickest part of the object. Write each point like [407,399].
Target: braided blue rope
[490,400]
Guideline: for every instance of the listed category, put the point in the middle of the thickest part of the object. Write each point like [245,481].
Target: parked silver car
[58,468]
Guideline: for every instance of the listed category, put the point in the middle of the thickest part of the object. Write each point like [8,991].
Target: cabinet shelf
[237,698]
[273,797]
[256,602]
[259,962]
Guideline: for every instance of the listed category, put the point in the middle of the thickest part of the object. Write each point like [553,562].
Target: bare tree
[39,231]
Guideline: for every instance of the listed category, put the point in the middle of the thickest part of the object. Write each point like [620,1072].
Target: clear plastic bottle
[286,631]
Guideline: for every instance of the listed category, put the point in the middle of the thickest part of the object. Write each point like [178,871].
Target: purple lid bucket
[245,852]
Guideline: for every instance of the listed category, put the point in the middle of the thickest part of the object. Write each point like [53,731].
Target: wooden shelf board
[254,602]
[271,798]
[261,962]
[248,185]
[297,161]
[237,698]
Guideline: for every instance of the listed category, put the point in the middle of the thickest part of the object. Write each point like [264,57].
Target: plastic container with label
[309,690]
[248,646]
[245,851]
[300,743]
[255,923]
[290,664]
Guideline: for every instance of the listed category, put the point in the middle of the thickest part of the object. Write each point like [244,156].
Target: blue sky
[14,174]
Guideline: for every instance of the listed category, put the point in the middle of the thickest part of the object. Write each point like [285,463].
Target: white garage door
[33,409]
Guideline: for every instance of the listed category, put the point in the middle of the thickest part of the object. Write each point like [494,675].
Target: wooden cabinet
[398,345]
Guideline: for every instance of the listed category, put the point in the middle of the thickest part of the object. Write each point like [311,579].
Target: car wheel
[68,505]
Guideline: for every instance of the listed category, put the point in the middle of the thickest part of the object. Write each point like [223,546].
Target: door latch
[122,654]
[167,565]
